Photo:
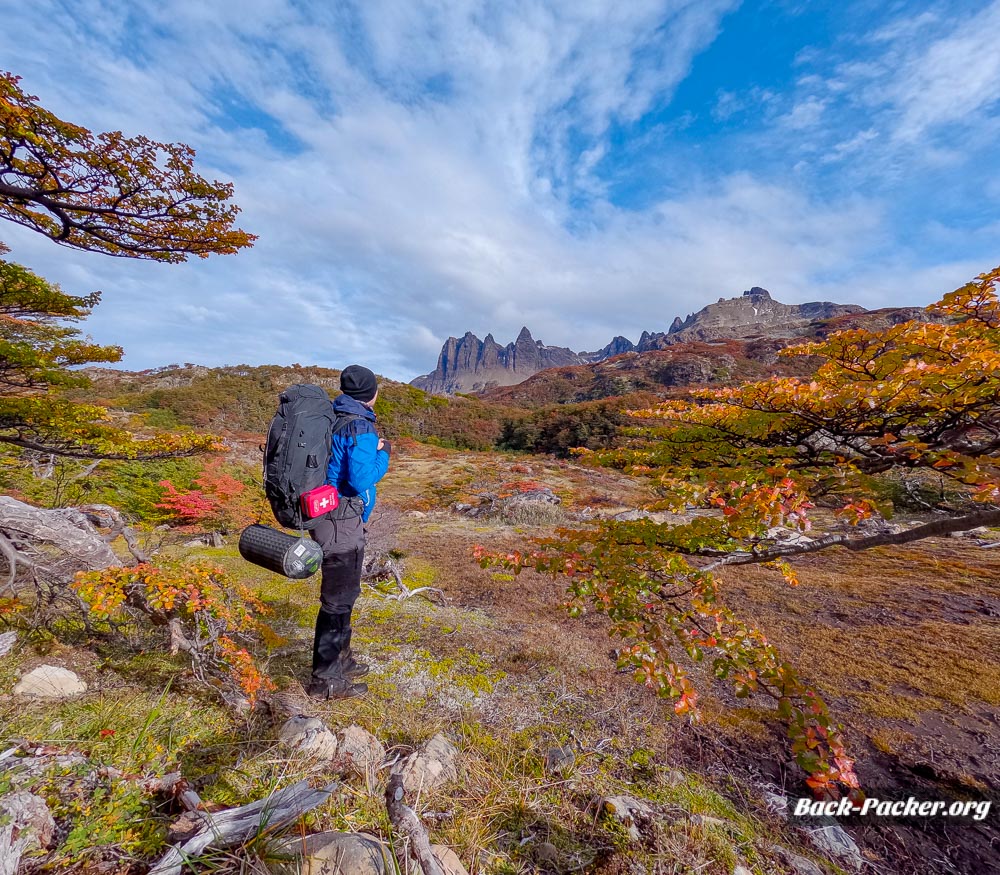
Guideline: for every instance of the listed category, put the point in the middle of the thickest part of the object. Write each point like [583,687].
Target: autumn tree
[921,398]
[106,192]
[39,346]
[123,196]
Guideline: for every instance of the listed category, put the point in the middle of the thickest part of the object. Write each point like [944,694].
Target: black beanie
[358,382]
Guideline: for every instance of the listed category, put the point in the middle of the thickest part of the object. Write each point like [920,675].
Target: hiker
[359,458]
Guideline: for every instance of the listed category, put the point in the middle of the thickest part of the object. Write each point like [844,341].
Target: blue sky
[587,168]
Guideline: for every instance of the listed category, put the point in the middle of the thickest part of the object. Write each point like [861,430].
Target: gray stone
[359,752]
[547,854]
[308,736]
[332,853]
[629,812]
[740,869]
[799,864]
[787,536]
[7,642]
[559,759]
[30,818]
[707,820]
[434,764]
[449,860]
[978,532]
[832,840]
[777,803]
[50,682]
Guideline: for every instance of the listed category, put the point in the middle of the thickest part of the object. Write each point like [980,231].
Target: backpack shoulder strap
[353,424]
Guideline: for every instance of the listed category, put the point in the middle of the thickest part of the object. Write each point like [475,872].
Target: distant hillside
[661,371]
[239,401]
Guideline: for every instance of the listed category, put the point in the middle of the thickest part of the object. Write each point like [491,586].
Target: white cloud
[413,171]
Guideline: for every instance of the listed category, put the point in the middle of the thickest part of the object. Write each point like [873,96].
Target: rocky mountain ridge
[468,364]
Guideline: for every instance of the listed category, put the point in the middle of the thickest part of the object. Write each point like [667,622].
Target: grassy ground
[903,643]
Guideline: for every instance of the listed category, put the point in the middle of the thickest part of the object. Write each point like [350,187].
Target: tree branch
[933,529]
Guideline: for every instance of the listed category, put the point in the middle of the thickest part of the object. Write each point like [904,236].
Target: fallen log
[235,826]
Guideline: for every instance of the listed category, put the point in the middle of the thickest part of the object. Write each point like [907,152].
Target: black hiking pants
[343,543]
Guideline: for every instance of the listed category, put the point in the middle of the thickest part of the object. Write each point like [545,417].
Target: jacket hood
[347,404]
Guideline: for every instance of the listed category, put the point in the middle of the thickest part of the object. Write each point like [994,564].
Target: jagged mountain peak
[471,365]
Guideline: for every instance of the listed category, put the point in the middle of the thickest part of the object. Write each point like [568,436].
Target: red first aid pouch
[319,501]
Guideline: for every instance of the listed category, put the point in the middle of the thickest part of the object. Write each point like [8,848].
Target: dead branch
[405,821]
[66,529]
[933,529]
[235,826]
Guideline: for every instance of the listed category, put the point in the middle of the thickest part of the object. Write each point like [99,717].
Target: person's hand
[385,445]
[381,443]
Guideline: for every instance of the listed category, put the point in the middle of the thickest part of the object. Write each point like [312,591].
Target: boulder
[7,642]
[434,764]
[332,853]
[798,864]
[50,682]
[629,812]
[978,532]
[449,860]
[308,736]
[359,752]
[547,854]
[777,802]
[832,840]
[559,759]
[30,818]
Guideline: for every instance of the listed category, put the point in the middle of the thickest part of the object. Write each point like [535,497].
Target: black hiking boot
[330,680]
[339,687]
[351,667]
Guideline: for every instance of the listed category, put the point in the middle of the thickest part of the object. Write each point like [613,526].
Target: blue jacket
[356,463]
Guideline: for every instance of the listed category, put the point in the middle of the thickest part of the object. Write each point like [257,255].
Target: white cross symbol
[324,502]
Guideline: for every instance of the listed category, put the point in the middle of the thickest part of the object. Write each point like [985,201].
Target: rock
[436,763]
[540,495]
[559,759]
[673,778]
[332,853]
[359,752]
[7,642]
[740,869]
[547,854]
[449,860]
[799,864]
[309,736]
[629,812]
[787,536]
[214,539]
[415,514]
[777,803]
[832,840]
[50,682]
[30,817]
[978,532]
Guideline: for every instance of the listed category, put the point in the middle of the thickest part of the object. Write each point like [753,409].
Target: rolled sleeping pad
[276,551]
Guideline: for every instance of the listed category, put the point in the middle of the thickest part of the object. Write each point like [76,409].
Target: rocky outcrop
[754,313]
[618,346]
[50,682]
[468,364]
